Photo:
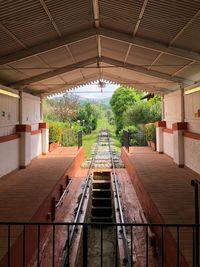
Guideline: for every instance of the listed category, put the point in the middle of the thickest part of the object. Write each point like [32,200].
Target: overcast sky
[93,91]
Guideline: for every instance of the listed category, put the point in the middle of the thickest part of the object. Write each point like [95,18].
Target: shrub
[150,131]
[55,132]
[136,135]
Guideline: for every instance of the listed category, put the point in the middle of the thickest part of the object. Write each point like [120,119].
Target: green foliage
[143,112]
[150,130]
[87,116]
[136,135]
[122,99]
[55,132]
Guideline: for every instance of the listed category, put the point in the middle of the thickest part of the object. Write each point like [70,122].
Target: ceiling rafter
[90,61]
[66,86]
[152,45]
[50,18]
[121,80]
[48,46]
[182,68]
[155,60]
[143,70]
[140,17]
[114,35]
[54,73]
[185,27]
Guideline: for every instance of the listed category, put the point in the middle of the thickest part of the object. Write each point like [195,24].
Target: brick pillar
[45,137]
[25,144]
[159,135]
[178,129]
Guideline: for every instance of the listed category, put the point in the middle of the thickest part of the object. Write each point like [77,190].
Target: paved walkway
[169,188]
[22,192]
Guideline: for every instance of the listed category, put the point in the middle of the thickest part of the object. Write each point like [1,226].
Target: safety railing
[79,139]
[32,234]
[126,140]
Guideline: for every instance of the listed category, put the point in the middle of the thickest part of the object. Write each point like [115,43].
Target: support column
[43,126]
[159,135]
[178,129]
[25,144]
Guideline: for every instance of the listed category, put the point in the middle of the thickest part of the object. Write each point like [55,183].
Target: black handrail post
[80,142]
[85,245]
[126,140]
[195,183]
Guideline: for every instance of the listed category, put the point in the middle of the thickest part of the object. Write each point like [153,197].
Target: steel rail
[126,249]
[76,220]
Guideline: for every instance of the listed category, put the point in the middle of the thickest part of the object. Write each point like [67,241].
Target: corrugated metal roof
[148,40]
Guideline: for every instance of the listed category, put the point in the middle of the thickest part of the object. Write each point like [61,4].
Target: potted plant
[55,135]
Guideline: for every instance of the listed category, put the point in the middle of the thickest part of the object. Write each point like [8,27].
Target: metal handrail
[63,194]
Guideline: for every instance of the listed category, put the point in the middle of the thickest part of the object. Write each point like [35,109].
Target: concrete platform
[26,194]
[166,195]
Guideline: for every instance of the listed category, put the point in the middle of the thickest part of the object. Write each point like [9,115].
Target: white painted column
[25,144]
[159,135]
[45,137]
[178,129]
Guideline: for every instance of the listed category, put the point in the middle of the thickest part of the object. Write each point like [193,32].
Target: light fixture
[193,90]
[8,93]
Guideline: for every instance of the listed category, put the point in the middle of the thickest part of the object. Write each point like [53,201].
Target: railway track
[100,207]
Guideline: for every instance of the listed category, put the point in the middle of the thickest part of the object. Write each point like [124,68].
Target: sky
[93,91]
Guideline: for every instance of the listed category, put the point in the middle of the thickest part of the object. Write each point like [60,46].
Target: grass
[90,139]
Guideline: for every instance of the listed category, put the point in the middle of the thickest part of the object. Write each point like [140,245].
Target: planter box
[53,146]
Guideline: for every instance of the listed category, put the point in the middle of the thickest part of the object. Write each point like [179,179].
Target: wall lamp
[8,93]
[193,90]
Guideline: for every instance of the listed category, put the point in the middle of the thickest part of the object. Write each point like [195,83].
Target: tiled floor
[169,187]
[22,192]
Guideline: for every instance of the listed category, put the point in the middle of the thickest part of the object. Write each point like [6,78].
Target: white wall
[172,108]
[9,156]
[31,110]
[192,104]
[9,114]
[192,153]
[168,145]
[36,145]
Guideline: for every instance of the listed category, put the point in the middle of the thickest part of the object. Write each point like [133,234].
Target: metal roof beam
[95,4]
[66,87]
[142,70]
[78,37]
[54,73]
[140,17]
[45,47]
[144,43]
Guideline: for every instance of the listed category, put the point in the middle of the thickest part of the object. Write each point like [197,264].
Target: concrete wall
[168,144]
[9,114]
[36,145]
[192,153]
[31,110]
[11,146]
[172,108]
[173,113]
[9,156]
[192,105]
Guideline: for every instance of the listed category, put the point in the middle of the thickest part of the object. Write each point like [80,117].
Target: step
[102,219]
[101,176]
[101,184]
[101,193]
[101,202]
[101,212]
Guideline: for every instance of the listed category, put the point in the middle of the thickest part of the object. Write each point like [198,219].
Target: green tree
[87,116]
[122,99]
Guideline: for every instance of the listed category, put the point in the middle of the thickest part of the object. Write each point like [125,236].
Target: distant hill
[103,101]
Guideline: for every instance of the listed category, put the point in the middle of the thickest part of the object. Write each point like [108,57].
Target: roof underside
[50,46]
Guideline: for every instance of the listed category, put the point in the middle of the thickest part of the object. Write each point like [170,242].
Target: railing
[79,139]
[36,228]
[126,140]
[195,183]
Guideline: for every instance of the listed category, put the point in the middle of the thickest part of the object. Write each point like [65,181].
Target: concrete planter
[53,146]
